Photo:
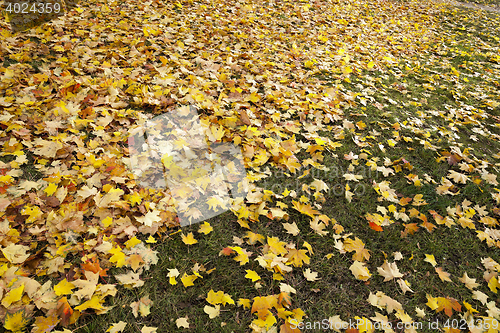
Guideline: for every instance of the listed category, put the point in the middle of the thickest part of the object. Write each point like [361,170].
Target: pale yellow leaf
[291,228]
[182,322]
[212,311]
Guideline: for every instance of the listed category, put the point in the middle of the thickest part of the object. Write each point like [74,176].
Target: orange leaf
[261,304]
[448,304]
[404,201]
[287,328]
[64,311]
[427,225]
[352,330]
[375,226]
[92,265]
[284,299]
[410,228]
[226,251]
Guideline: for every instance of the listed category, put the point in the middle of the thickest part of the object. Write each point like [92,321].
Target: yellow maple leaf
[448,304]
[117,257]
[276,246]
[151,240]
[94,303]
[147,329]
[310,275]
[469,283]
[364,324]
[48,148]
[347,70]
[214,297]
[458,177]
[361,125]
[432,302]
[261,305]
[418,200]
[150,218]
[32,211]
[244,302]
[268,322]
[96,163]
[142,307]
[308,247]
[430,259]
[13,296]
[305,209]
[135,198]
[357,245]
[308,64]
[113,195]
[254,237]
[205,228]
[182,322]
[107,221]
[304,199]
[215,133]
[389,271]
[469,307]
[16,321]
[219,298]
[215,202]
[297,257]
[252,275]
[63,288]
[189,239]
[242,256]
[51,189]
[132,242]
[493,284]
[188,280]
[45,324]
[318,226]
[254,97]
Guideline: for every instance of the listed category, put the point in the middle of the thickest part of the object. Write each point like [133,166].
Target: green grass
[171,302]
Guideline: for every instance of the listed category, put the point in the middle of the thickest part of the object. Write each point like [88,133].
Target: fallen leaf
[212,311]
[182,322]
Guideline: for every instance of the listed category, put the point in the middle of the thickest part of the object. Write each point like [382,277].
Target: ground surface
[369,131]
[491,3]
[491,6]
